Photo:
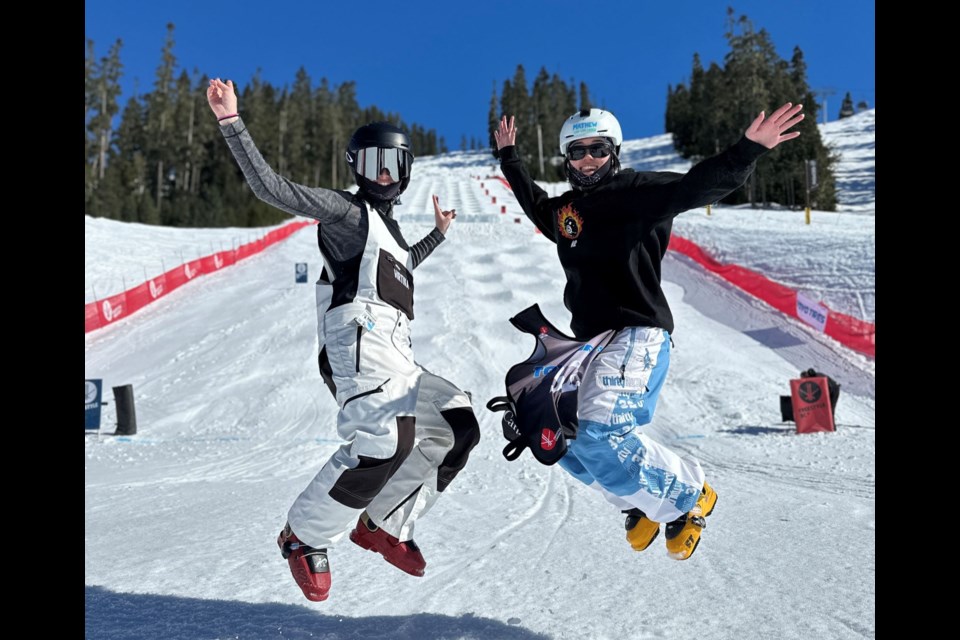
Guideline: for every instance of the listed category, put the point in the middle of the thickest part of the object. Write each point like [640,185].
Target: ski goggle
[597,150]
[383,165]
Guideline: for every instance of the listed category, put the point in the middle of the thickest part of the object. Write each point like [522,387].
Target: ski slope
[233,421]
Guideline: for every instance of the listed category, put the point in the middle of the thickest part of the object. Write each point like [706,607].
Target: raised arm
[533,200]
[326,205]
[717,176]
[425,247]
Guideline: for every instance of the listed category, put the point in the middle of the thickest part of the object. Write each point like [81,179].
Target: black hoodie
[612,237]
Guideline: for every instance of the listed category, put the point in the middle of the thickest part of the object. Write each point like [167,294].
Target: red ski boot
[405,556]
[309,566]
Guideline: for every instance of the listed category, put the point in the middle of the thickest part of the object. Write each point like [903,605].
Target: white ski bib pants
[407,431]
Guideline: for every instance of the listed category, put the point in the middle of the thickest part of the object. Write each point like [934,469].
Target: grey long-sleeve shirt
[342,230]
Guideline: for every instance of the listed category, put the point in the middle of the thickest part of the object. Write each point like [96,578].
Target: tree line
[166,163]
[715,108]
[539,113]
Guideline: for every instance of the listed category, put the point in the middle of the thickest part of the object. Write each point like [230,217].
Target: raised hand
[221,97]
[769,131]
[506,133]
[443,218]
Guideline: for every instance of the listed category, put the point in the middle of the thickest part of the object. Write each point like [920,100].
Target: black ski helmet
[378,149]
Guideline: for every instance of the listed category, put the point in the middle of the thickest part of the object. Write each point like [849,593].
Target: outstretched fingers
[452,213]
[443,218]
[756,122]
[770,131]
[783,109]
[789,136]
[787,116]
[506,132]
[792,122]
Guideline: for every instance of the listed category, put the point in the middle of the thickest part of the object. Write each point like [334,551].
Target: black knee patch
[326,371]
[466,435]
[357,487]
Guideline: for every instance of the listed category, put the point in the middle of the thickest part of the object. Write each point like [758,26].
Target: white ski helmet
[592,123]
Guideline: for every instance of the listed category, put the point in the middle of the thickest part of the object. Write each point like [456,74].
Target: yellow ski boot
[641,530]
[683,534]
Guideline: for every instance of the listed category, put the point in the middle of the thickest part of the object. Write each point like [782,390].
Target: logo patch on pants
[548,439]
[616,381]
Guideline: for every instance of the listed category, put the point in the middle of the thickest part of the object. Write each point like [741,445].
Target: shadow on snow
[122,616]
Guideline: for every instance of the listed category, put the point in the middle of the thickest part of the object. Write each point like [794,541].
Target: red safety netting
[858,335]
[108,310]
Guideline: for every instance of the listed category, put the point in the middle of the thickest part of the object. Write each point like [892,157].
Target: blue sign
[91,403]
[301,272]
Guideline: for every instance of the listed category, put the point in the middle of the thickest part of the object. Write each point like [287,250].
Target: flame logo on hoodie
[569,222]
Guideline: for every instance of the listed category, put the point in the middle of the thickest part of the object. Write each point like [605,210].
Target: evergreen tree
[846,109]
[747,68]
[328,154]
[128,171]
[296,144]
[546,117]
[678,119]
[585,102]
[89,91]
[181,161]
[720,103]
[808,147]
[160,108]
[701,123]
[493,120]
[542,110]
[563,103]
[103,89]
[348,111]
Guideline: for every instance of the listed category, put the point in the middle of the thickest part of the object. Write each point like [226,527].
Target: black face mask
[379,192]
[583,182]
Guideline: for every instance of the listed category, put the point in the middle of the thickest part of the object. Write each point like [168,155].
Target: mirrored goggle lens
[598,150]
[384,166]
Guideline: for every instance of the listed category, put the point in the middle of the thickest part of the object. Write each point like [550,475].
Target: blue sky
[436,63]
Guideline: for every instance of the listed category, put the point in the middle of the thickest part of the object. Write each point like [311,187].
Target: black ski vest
[542,391]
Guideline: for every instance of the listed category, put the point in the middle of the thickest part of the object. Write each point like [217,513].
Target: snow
[233,421]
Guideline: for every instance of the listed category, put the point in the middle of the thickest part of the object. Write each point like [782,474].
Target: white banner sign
[813,313]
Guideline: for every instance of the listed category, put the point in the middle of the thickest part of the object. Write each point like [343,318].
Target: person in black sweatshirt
[612,230]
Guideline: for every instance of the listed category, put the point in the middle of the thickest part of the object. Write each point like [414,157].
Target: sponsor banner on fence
[811,312]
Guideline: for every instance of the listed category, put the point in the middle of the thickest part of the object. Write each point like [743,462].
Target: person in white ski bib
[407,432]
[612,230]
